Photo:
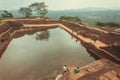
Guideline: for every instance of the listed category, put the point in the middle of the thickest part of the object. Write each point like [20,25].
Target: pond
[35,55]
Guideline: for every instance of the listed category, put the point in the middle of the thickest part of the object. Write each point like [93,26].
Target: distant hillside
[89,15]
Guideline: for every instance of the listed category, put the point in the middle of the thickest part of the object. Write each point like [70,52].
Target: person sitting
[76,70]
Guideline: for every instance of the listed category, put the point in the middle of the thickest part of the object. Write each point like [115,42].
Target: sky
[61,4]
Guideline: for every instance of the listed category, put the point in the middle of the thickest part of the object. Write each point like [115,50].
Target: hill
[88,15]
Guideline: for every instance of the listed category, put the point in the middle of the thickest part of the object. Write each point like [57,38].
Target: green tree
[113,24]
[6,14]
[77,19]
[25,11]
[70,18]
[40,8]
[100,24]
[44,35]
[110,24]
[65,18]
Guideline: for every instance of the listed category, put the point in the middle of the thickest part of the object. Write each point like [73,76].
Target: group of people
[66,69]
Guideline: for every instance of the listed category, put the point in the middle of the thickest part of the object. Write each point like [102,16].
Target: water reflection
[31,33]
[91,54]
[43,35]
[29,59]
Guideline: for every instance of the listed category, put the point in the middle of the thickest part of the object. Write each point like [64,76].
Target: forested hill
[87,15]
[90,16]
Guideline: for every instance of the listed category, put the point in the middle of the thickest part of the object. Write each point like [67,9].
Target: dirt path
[88,40]
[96,28]
[39,25]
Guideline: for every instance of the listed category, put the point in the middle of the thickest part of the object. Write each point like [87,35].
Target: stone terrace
[102,69]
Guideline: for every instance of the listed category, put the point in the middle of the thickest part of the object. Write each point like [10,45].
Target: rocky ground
[106,46]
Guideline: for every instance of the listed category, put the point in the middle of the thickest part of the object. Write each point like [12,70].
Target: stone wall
[98,52]
[4,45]
[107,38]
[38,21]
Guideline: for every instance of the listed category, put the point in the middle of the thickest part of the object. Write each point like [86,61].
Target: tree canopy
[110,24]
[25,11]
[6,14]
[70,18]
[40,8]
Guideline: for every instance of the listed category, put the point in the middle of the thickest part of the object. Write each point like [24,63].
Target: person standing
[65,69]
[95,38]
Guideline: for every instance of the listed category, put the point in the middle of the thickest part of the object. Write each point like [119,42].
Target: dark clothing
[95,38]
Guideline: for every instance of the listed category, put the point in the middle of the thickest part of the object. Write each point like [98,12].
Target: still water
[29,57]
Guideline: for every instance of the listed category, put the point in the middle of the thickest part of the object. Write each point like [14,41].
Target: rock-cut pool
[34,55]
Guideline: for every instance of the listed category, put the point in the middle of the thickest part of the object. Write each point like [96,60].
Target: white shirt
[64,68]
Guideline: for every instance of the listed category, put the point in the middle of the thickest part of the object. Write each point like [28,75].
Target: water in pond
[30,56]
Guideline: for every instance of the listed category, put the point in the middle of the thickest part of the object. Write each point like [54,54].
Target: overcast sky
[61,4]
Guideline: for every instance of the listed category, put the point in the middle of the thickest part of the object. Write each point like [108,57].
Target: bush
[100,24]
[110,24]
[70,18]
[6,14]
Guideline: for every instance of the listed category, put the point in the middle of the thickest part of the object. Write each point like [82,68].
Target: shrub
[70,18]
[110,24]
